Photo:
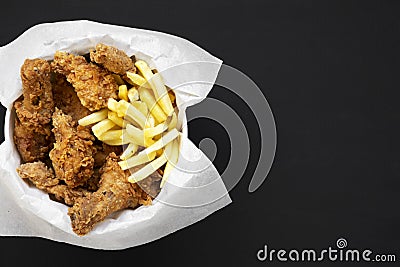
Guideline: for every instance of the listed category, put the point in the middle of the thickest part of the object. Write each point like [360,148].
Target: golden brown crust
[72,155]
[32,134]
[112,59]
[43,178]
[115,193]
[93,85]
[38,104]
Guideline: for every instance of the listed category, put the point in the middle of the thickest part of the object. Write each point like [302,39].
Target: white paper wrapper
[194,190]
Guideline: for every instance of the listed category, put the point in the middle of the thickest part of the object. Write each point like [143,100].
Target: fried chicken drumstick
[93,85]
[32,134]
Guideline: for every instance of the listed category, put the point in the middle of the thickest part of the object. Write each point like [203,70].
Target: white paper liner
[189,197]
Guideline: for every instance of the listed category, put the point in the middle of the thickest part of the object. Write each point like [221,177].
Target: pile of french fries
[142,116]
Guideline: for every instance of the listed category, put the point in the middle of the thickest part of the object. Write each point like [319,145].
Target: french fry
[129,151]
[159,152]
[157,84]
[118,142]
[137,79]
[147,97]
[111,135]
[113,116]
[142,107]
[135,134]
[116,127]
[163,141]
[143,116]
[173,123]
[123,92]
[134,161]
[148,169]
[102,127]
[133,94]
[172,153]
[148,142]
[151,132]
[131,112]
[150,121]
[93,118]
[112,105]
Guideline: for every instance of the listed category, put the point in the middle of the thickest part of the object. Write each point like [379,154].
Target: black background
[330,71]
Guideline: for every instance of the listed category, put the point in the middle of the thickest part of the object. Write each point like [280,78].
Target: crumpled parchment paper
[195,189]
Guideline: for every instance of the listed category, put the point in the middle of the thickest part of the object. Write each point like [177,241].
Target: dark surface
[330,71]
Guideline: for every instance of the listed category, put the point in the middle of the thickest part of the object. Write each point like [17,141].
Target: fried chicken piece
[115,193]
[43,178]
[102,151]
[66,99]
[112,59]
[37,105]
[30,145]
[72,155]
[93,84]
[32,134]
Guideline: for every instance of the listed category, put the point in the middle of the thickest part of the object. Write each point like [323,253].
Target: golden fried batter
[93,85]
[115,193]
[32,134]
[112,59]
[72,155]
[44,179]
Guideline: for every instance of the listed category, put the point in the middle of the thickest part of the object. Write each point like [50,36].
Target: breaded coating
[93,84]
[30,145]
[72,155]
[37,105]
[66,99]
[43,178]
[112,59]
[115,193]
[32,134]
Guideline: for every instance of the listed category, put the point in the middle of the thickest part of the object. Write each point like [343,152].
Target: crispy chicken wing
[112,59]
[115,193]
[93,84]
[72,155]
[66,99]
[43,178]
[32,134]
